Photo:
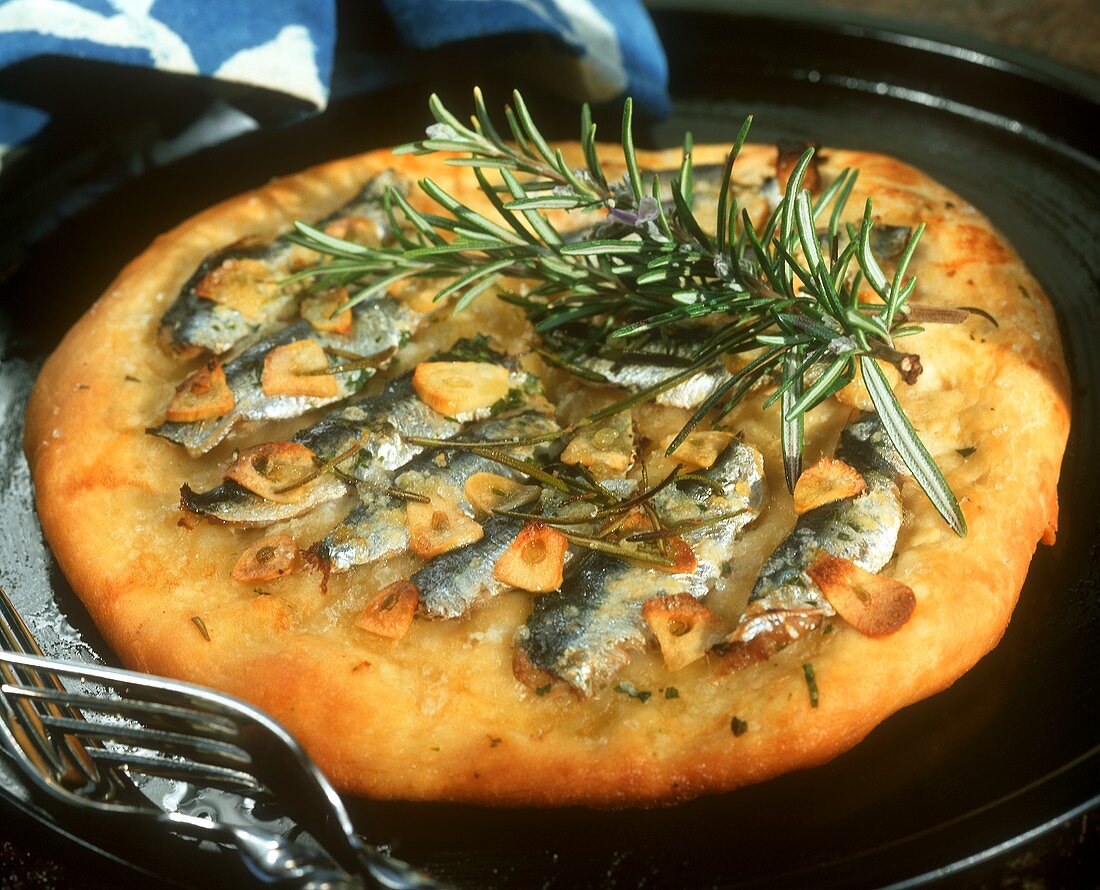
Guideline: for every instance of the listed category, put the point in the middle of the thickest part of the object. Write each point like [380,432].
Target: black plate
[1010,749]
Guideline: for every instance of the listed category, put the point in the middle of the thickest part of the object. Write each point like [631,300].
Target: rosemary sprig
[789,293]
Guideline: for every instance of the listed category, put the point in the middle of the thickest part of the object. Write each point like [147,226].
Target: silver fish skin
[379,326]
[381,424]
[587,631]
[887,242]
[377,529]
[785,604]
[372,430]
[456,582]
[378,425]
[232,504]
[194,321]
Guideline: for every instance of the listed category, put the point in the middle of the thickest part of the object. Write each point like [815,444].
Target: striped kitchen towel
[604,48]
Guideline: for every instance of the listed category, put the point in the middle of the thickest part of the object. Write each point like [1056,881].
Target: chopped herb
[131,378]
[811,683]
[976,310]
[628,688]
[469,349]
[542,690]
[82,386]
[1024,292]
[201,625]
[493,741]
[258,592]
[828,629]
[738,726]
[509,402]
[406,495]
[435,748]
[965,452]
[356,383]
[727,567]
[672,692]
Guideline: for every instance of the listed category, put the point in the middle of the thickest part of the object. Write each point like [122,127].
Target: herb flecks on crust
[802,298]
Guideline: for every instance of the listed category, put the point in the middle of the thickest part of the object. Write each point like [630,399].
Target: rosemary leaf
[792,425]
[548,203]
[629,155]
[474,292]
[867,261]
[471,277]
[897,295]
[722,227]
[606,246]
[908,444]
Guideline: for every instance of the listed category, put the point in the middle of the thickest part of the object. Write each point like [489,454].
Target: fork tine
[158,689]
[206,751]
[156,714]
[234,781]
[26,724]
[69,760]
[171,729]
[17,636]
[44,782]
[40,755]
[156,701]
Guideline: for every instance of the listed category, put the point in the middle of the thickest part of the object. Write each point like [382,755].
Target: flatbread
[439,715]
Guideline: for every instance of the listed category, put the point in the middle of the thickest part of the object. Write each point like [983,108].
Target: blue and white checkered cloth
[287,45]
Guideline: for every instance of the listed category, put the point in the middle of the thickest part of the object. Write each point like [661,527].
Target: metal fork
[184,732]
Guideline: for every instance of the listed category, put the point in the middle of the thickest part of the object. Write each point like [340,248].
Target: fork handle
[272,859]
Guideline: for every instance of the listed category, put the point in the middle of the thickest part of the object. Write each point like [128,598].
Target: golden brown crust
[439,714]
